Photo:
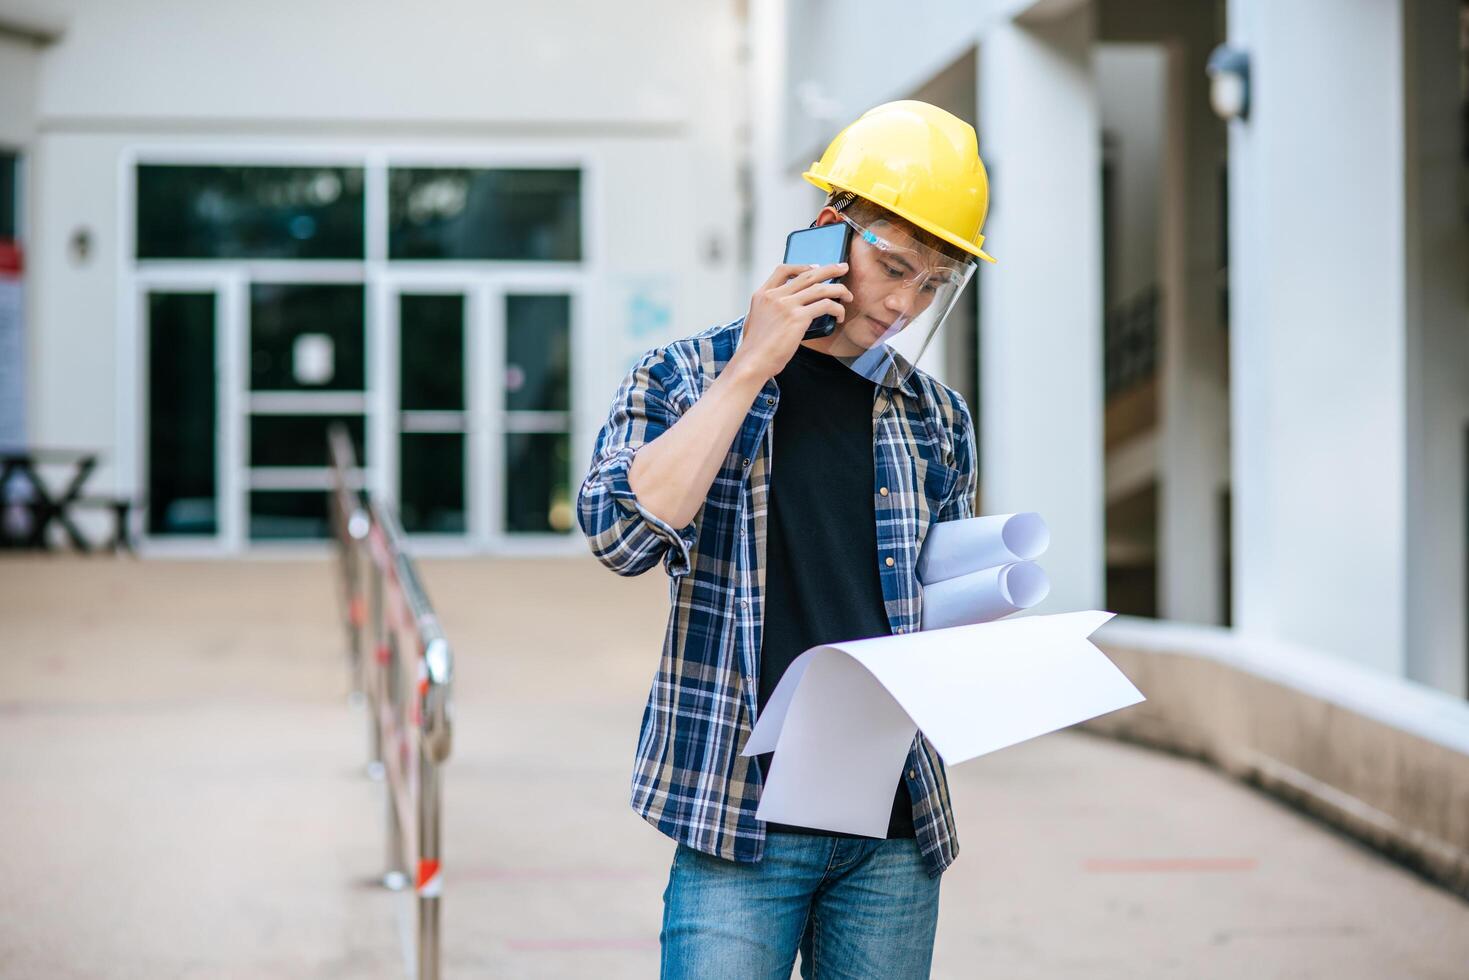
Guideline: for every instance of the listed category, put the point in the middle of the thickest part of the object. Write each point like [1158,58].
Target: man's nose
[900,301]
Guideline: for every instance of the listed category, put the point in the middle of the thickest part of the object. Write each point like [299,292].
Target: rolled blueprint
[956,548]
[983,596]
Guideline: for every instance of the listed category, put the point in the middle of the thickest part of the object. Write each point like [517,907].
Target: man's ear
[827,216]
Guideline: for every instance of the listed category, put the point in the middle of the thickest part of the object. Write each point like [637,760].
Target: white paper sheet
[983,596]
[956,548]
[843,716]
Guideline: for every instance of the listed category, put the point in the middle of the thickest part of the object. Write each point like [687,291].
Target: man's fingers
[783,274]
[805,276]
[824,306]
[822,290]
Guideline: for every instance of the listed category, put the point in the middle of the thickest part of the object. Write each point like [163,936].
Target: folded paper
[844,715]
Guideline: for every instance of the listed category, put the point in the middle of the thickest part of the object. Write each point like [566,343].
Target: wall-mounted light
[1229,82]
[79,245]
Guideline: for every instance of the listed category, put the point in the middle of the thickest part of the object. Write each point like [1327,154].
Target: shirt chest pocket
[935,483]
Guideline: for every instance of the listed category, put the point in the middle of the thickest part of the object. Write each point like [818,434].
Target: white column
[1317,327]
[1438,352]
[1040,320]
[1194,399]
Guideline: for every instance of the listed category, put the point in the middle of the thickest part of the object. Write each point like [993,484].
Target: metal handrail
[410,733]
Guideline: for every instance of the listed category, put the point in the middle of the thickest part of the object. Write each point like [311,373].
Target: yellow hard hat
[917,161]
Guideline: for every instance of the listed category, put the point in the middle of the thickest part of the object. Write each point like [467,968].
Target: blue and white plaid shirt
[690,780]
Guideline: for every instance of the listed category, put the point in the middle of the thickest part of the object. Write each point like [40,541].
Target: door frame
[230,422]
[484,360]
[578,279]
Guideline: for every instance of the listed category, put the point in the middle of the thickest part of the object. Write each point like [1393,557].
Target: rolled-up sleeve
[623,534]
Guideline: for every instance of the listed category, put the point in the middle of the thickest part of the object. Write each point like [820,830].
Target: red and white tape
[430,884]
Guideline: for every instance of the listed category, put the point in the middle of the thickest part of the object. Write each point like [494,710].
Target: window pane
[282,315]
[276,514]
[182,496]
[300,440]
[439,213]
[537,491]
[432,478]
[212,212]
[538,353]
[431,352]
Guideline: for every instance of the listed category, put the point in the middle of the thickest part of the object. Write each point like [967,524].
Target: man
[787,486]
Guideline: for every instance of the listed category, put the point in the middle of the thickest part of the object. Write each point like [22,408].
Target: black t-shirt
[822,583]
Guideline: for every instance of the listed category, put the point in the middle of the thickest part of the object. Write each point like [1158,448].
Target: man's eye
[893,271]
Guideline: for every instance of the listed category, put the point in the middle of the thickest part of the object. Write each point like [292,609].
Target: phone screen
[817,246]
[822,245]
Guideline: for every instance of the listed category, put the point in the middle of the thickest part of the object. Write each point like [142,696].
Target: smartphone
[822,245]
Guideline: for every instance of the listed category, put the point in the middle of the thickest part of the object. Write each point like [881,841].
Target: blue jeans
[856,908]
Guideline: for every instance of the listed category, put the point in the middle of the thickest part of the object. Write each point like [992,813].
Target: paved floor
[181,796]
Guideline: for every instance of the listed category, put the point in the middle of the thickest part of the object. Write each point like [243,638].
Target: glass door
[182,444]
[433,333]
[306,357]
[535,416]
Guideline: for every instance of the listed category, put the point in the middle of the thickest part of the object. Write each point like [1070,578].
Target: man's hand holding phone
[781,311]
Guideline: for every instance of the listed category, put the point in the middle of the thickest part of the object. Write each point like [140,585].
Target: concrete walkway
[182,797]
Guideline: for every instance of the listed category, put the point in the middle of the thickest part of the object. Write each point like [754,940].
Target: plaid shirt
[690,780]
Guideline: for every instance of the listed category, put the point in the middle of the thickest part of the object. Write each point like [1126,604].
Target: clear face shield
[902,292]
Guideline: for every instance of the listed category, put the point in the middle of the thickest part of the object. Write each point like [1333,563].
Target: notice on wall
[646,304]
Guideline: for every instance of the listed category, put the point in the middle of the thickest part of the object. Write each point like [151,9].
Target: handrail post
[396,876]
[429,881]
[351,537]
[408,717]
[374,676]
[435,736]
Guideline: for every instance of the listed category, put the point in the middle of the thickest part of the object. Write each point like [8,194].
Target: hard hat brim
[825,184]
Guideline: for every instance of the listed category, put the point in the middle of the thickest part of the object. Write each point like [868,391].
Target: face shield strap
[838,201]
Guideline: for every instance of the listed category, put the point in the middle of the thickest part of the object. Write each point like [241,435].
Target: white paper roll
[984,596]
[956,548]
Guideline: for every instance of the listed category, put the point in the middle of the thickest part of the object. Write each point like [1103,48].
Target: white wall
[1317,328]
[647,92]
[351,61]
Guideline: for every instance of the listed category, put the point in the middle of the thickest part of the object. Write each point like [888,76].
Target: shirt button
[744,603]
[747,464]
[883,491]
[889,561]
[769,400]
[911,774]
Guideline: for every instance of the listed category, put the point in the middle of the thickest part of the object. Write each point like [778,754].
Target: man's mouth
[885,326]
